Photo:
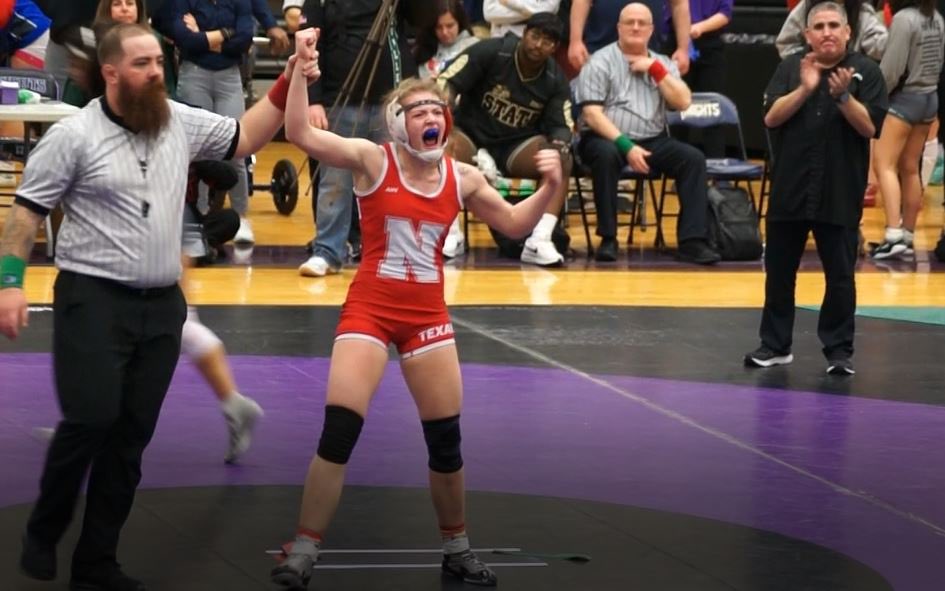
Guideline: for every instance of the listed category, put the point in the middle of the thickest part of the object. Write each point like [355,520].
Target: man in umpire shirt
[119,168]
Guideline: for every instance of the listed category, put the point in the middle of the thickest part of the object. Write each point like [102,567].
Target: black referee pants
[114,353]
[837,248]
[681,162]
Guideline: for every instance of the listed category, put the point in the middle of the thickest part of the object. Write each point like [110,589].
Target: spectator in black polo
[824,107]
[624,91]
[119,169]
[513,102]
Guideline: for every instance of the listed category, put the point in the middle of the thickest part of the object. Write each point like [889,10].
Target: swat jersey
[498,106]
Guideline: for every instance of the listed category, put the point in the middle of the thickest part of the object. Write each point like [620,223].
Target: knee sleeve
[196,340]
[443,439]
[339,434]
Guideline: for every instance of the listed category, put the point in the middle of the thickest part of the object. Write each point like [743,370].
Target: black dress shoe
[697,251]
[113,581]
[607,251]
[38,561]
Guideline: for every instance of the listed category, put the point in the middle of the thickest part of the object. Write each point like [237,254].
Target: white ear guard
[397,126]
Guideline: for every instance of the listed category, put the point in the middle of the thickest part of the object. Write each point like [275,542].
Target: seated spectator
[868,33]
[510,16]
[623,112]
[515,101]
[442,39]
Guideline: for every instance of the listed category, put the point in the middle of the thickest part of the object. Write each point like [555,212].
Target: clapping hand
[839,81]
[810,72]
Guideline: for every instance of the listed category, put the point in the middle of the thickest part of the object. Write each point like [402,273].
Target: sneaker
[242,253]
[486,165]
[294,573]
[241,415]
[113,581]
[765,357]
[840,367]
[466,566]
[697,251]
[316,266]
[37,560]
[245,234]
[888,250]
[541,252]
[454,246]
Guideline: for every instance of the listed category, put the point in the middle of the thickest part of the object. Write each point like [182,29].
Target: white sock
[544,227]
[229,403]
[893,234]
[455,544]
[908,236]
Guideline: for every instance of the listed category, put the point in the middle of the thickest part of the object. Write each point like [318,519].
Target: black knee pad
[443,439]
[339,434]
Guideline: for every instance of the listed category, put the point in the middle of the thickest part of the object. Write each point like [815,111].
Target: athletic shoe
[888,250]
[455,244]
[765,357]
[241,415]
[466,566]
[840,367]
[541,252]
[245,234]
[316,266]
[294,573]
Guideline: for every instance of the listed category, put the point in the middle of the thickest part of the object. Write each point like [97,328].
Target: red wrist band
[279,93]
[657,71]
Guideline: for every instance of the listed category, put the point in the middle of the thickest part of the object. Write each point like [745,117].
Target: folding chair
[17,148]
[710,110]
[640,182]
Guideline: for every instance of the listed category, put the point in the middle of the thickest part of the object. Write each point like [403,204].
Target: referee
[119,169]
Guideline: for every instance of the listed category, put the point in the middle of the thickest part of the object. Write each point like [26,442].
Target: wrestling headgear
[397,126]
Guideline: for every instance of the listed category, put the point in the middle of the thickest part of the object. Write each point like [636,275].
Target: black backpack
[733,224]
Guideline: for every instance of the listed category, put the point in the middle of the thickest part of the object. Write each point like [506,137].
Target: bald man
[623,92]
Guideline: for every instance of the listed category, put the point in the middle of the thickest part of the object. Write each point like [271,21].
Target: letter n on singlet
[410,254]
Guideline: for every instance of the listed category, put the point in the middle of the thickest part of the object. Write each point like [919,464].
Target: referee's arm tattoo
[20,232]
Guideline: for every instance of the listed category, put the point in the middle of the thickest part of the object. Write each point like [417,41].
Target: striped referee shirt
[122,195]
[631,101]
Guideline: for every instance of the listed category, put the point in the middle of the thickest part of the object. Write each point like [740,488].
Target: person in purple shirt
[707,68]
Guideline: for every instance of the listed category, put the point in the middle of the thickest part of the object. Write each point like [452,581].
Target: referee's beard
[144,110]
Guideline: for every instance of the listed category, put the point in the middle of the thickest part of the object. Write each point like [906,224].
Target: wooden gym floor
[607,416]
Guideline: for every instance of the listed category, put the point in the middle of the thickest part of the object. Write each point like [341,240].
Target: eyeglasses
[541,39]
[637,22]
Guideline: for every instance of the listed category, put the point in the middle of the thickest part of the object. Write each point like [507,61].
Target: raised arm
[515,221]
[358,155]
